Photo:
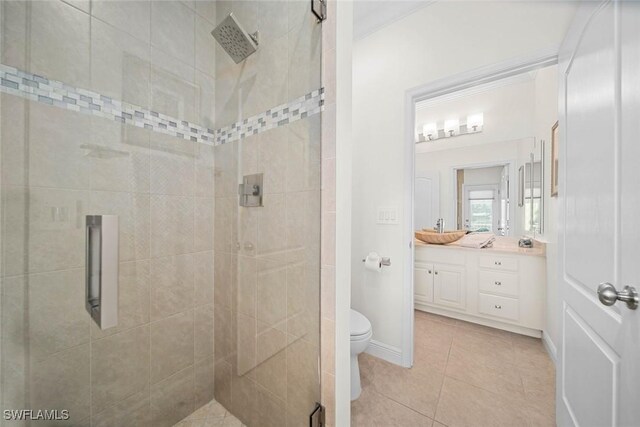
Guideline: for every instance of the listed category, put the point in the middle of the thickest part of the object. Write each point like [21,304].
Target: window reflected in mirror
[483,199]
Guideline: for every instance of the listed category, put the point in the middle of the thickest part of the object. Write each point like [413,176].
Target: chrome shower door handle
[608,295]
[101,270]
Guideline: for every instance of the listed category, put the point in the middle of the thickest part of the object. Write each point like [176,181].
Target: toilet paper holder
[385,261]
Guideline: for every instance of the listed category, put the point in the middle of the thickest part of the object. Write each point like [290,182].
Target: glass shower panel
[132,109]
[98,106]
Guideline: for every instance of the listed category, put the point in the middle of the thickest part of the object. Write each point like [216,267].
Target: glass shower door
[155,366]
[267,268]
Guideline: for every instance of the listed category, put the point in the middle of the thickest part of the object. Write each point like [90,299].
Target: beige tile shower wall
[156,366]
[267,319]
[328,277]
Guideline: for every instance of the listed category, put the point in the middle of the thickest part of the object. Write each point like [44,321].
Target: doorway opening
[479,160]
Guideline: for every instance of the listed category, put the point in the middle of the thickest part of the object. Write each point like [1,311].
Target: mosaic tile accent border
[52,92]
[305,106]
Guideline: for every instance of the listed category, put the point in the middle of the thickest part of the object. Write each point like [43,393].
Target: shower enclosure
[131,113]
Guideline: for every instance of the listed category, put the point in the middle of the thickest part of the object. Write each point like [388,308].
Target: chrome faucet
[439,226]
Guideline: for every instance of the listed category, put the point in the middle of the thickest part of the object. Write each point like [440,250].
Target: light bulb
[475,122]
[430,131]
[451,127]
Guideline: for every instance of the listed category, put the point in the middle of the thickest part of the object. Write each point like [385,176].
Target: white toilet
[360,337]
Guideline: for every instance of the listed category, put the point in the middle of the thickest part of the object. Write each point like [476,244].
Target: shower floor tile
[212,414]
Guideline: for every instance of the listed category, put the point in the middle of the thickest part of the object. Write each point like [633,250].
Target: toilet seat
[363,337]
[360,326]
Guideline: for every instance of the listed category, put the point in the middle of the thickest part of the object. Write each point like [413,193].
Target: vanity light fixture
[451,127]
[430,131]
[475,122]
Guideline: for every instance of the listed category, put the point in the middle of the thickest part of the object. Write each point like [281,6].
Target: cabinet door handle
[436,272]
[429,271]
[497,263]
[499,307]
[498,283]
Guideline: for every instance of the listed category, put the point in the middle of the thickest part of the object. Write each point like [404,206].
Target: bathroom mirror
[480,156]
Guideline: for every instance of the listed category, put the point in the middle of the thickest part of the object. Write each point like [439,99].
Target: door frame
[487,74]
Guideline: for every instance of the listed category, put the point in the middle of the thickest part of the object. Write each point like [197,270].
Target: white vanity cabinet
[439,284]
[485,286]
[449,286]
[423,282]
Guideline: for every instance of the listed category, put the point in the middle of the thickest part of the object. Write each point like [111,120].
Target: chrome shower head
[234,39]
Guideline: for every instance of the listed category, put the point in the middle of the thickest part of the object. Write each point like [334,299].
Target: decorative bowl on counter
[435,238]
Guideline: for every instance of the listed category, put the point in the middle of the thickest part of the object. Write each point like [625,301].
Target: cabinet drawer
[498,282]
[494,305]
[498,262]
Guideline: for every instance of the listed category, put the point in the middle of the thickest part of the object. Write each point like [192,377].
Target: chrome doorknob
[608,295]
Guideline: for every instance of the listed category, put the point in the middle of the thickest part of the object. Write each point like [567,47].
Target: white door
[427,200]
[598,377]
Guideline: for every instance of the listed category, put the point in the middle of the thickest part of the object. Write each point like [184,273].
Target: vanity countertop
[501,245]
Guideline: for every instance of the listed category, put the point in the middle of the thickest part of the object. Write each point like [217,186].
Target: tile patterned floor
[463,375]
[212,414]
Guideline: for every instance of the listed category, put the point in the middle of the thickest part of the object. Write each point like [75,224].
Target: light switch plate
[387,215]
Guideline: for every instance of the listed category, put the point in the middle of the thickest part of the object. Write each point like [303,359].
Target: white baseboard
[385,352]
[550,347]
[535,333]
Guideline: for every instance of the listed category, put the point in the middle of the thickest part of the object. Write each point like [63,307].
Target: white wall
[546,115]
[508,113]
[441,40]
[344,142]
[483,176]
